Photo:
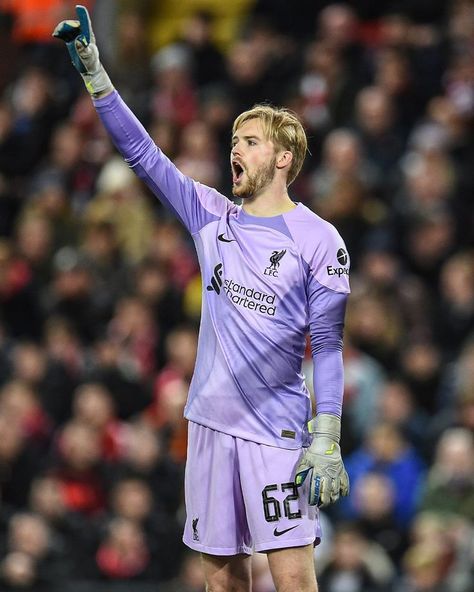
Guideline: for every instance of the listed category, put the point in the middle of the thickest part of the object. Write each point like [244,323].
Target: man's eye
[252,142]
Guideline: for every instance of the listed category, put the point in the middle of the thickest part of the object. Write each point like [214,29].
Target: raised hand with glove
[80,42]
[323,463]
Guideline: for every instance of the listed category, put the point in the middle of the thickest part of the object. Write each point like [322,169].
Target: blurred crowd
[100,291]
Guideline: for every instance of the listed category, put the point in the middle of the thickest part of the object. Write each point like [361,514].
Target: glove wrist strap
[98,82]
[325,424]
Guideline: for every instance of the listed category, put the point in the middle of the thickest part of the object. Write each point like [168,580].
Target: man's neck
[268,204]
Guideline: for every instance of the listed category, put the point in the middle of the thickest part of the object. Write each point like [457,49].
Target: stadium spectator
[74,534]
[20,404]
[374,500]
[33,558]
[356,563]
[169,249]
[381,137]
[455,310]
[77,468]
[450,538]
[146,458]
[197,154]
[207,61]
[450,481]
[374,326]
[19,462]
[153,286]
[174,96]
[123,552]
[421,368]
[94,406]
[29,363]
[425,568]
[71,294]
[170,390]
[133,330]
[129,59]
[387,451]
[382,271]
[106,366]
[132,499]
[120,201]
[21,315]
[396,405]
[364,378]
[35,244]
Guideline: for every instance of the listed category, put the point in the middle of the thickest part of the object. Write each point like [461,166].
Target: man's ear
[284,159]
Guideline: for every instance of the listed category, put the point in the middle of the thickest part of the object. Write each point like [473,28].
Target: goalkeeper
[258,467]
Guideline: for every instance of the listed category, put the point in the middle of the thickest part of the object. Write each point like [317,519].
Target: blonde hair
[282,127]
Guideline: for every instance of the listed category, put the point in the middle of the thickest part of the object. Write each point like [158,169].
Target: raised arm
[194,204]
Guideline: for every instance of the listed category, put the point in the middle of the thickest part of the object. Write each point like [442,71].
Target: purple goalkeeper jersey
[267,282]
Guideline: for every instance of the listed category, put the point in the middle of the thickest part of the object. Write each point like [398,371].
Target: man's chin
[239,192]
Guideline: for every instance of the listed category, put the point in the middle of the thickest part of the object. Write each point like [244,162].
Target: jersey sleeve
[328,289]
[193,203]
[326,324]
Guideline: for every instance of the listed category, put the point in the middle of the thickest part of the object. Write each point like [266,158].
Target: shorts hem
[224,551]
[271,545]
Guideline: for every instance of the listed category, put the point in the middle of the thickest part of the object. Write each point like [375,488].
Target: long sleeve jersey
[267,282]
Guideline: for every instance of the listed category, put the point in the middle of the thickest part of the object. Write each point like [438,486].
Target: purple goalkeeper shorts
[240,496]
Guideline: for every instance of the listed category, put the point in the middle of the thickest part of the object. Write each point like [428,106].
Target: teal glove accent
[323,462]
[80,42]
[72,30]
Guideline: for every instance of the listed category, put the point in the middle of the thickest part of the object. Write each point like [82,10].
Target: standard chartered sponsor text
[250,298]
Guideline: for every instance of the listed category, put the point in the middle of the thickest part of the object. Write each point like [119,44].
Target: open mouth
[237,171]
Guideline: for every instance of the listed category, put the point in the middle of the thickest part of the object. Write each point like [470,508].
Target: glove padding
[80,42]
[323,462]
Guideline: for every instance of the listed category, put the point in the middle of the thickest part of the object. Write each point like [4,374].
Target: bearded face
[252,159]
[251,182]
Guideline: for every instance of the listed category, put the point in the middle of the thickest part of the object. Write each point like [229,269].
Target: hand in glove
[323,463]
[80,42]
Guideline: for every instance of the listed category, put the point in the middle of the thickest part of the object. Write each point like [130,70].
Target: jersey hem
[242,435]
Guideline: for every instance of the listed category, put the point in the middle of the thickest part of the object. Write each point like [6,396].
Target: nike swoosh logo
[223,239]
[280,532]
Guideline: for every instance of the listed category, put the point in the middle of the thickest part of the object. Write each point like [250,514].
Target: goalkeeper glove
[323,462]
[80,42]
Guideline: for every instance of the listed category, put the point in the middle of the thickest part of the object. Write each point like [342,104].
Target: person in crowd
[356,563]
[387,451]
[375,503]
[450,481]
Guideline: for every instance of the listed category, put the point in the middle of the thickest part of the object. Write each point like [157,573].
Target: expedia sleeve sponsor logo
[343,259]
[337,270]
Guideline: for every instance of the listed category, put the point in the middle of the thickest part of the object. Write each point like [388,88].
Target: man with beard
[272,271]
